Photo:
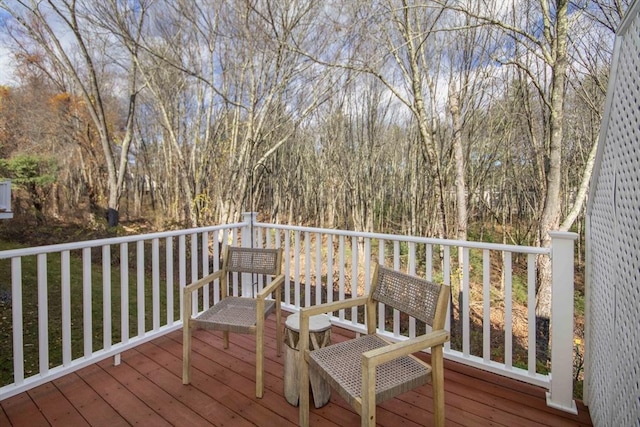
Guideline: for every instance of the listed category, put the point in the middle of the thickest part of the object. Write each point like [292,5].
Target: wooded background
[433,118]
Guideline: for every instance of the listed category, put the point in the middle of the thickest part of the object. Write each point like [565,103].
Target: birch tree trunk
[550,220]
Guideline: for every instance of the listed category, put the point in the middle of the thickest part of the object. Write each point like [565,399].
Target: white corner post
[248,236]
[248,241]
[560,395]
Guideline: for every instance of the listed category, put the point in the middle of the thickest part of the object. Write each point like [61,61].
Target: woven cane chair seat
[233,314]
[340,365]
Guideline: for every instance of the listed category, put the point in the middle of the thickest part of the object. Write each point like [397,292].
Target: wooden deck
[146,389]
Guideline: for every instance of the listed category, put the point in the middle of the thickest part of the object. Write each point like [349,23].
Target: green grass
[497,295]
[54,307]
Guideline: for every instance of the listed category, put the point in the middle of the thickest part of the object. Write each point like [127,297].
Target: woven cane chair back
[253,260]
[409,294]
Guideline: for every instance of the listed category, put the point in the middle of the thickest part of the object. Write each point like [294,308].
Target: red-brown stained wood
[516,392]
[4,419]
[197,401]
[158,400]
[88,402]
[22,411]
[126,403]
[146,389]
[225,379]
[55,407]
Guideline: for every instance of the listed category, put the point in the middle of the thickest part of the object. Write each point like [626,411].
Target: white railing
[5,199]
[486,331]
[75,304]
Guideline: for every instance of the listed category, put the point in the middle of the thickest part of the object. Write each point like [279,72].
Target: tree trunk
[550,219]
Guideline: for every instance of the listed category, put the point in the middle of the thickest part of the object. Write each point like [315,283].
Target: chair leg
[368,394]
[225,339]
[259,347]
[303,375]
[260,357]
[437,380]
[278,332]
[186,353]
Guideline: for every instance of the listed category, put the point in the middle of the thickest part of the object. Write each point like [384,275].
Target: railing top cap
[413,239]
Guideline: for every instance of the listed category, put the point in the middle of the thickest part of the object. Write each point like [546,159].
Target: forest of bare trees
[446,118]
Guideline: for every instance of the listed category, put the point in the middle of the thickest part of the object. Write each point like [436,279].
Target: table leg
[291,377]
[320,388]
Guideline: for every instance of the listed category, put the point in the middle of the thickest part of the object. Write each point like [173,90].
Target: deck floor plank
[56,407]
[207,408]
[219,382]
[232,368]
[510,403]
[127,404]
[88,402]
[4,418]
[512,390]
[22,411]
[159,400]
[146,389]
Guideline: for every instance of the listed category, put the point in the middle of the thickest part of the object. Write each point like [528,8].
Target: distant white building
[5,200]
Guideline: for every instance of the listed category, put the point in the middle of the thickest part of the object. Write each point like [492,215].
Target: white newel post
[560,395]
[248,241]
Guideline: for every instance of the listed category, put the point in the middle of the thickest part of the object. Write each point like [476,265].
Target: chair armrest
[200,283]
[271,287]
[307,312]
[328,307]
[189,289]
[378,356]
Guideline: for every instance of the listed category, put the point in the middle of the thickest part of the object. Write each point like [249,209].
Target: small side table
[319,336]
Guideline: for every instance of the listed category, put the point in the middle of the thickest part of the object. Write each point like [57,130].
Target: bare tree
[82,58]
[252,92]
[540,36]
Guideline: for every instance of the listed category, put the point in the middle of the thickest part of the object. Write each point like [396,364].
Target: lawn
[77,303]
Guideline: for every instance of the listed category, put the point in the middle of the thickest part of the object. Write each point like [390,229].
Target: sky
[6,68]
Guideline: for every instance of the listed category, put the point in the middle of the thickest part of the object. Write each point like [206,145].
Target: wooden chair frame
[365,405]
[262,305]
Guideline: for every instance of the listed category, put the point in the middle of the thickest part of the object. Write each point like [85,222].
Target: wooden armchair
[369,370]
[245,315]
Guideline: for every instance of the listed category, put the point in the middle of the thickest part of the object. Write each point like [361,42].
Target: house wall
[5,200]
[612,371]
